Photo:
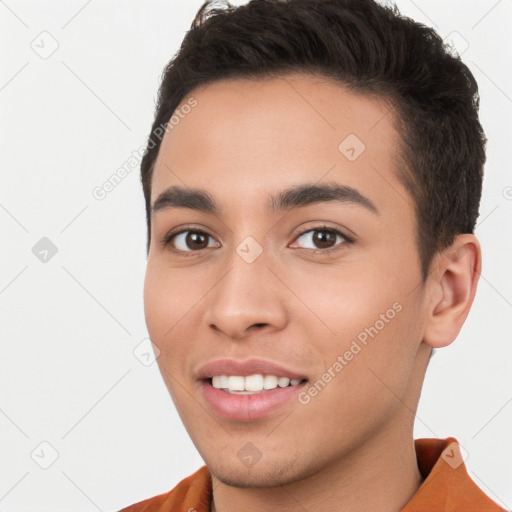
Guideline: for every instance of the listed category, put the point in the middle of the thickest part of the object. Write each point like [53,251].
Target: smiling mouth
[251,384]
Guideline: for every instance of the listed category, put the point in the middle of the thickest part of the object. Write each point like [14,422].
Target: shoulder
[191,494]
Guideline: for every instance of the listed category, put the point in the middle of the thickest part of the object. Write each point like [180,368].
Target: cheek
[161,315]
[167,299]
[344,301]
[172,300]
[164,305]
[157,303]
[369,317]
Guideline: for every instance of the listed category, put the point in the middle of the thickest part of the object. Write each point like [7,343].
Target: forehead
[245,136]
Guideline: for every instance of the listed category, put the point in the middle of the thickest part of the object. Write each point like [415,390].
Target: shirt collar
[447,485]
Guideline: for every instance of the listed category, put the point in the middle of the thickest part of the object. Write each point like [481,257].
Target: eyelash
[347,240]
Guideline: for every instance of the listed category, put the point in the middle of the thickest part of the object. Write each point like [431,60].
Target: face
[321,287]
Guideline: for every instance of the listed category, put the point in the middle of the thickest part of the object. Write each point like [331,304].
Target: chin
[254,479]
[262,474]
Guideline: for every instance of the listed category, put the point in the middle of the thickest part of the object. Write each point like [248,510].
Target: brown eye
[196,240]
[324,239]
[190,241]
[321,238]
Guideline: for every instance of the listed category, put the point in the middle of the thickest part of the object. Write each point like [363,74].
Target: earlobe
[453,286]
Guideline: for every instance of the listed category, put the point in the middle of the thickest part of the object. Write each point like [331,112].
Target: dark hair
[370,49]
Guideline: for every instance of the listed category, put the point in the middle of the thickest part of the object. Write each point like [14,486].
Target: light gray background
[69,326]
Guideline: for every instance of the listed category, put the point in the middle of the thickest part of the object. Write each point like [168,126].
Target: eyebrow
[297,196]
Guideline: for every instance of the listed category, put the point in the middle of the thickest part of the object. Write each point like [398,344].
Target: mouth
[249,390]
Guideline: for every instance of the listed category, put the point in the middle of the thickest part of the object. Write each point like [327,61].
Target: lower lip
[249,407]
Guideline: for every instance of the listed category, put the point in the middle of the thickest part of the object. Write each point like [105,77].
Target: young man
[312,182]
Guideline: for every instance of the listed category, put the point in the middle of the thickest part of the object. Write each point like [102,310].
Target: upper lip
[245,368]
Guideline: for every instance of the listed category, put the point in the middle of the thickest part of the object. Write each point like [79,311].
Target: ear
[452,284]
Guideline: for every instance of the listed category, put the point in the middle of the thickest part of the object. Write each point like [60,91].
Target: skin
[247,139]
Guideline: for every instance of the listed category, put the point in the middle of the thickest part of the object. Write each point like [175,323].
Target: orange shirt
[447,486]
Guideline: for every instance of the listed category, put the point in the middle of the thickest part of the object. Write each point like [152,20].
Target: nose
[248,298]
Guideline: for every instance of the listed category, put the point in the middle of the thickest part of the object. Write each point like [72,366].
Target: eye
[189,241]
[323,237]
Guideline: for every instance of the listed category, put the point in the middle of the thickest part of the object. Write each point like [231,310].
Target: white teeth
[282,382]
[220,381]
[269,382]
[251,384]
[236,383]
[254,382]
